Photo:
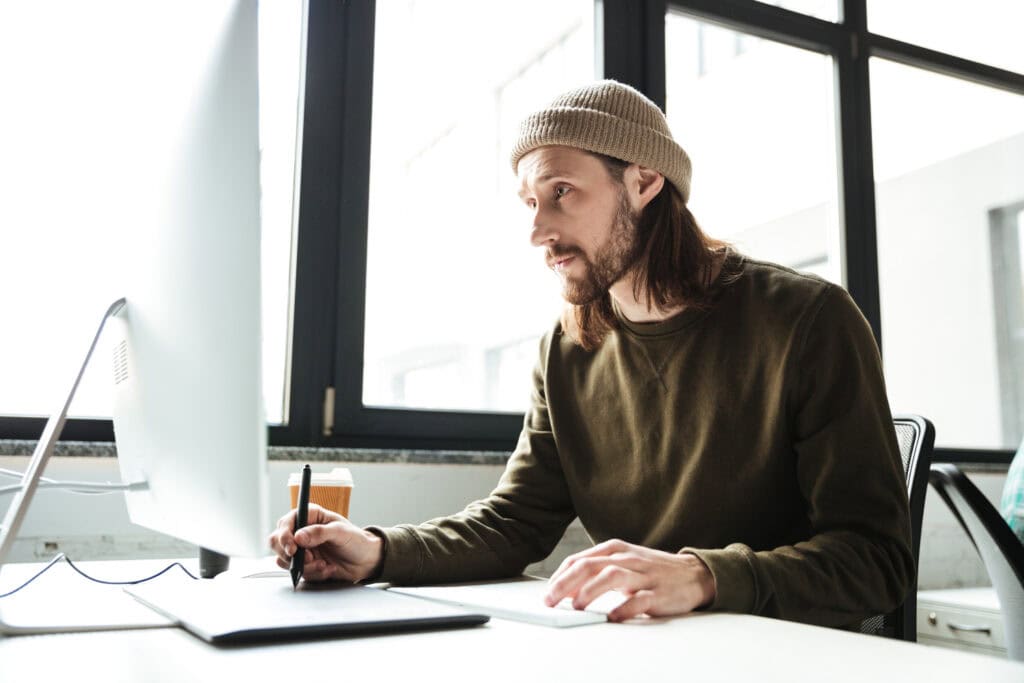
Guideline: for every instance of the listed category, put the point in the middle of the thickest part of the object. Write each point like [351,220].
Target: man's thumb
[312,536]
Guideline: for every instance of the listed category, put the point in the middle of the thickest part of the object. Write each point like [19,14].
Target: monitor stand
[212,563]
[44,449]
[38,612]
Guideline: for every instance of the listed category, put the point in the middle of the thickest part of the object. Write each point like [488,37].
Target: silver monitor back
[188,407]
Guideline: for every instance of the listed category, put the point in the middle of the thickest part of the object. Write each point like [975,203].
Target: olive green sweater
[755,434]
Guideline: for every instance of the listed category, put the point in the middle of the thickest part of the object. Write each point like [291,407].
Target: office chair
[1000,550]
[916,437]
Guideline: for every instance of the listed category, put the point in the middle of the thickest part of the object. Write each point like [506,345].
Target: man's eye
[561,191]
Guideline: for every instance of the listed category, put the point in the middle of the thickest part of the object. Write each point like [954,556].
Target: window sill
[100,449]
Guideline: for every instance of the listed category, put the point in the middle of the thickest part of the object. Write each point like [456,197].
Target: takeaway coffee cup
[331,490]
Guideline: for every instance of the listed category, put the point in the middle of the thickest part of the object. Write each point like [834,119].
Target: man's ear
[647,183]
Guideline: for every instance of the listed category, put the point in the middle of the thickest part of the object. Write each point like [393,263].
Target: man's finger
[588,566]
[311,536]
[568,579]
[317,515]
[608,547]
[569,583]
[612,577]
[639,603]
[320,515]
[314,569]
[288,543]
[281,541]
[317,534]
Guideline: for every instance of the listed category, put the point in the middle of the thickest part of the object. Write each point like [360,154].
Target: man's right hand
[335,548]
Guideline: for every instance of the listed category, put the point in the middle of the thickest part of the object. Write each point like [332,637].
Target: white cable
[14,474]
[84,487]
[75,486]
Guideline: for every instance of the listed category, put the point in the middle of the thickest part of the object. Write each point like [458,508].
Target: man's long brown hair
[674,268]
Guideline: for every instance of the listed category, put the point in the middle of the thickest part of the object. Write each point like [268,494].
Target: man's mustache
[561,251]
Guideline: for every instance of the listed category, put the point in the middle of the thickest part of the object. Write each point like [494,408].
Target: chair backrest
[1000,550]
[916,437]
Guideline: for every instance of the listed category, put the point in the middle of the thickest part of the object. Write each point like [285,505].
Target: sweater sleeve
[857,561]
[520,522]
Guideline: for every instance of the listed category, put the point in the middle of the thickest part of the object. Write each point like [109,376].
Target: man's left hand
[656,583]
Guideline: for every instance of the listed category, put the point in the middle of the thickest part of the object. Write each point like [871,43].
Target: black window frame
[325,406]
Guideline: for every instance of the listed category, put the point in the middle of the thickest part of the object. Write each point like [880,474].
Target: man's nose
[544,231]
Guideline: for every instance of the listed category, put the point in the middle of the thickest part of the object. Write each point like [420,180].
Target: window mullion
[857,179]
[631,45]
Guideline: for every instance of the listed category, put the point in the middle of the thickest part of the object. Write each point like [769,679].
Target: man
[718,424]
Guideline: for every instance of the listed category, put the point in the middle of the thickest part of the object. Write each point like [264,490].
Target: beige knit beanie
[609,118]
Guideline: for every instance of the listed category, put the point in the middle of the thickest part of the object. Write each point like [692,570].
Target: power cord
[81,487]
[61,556]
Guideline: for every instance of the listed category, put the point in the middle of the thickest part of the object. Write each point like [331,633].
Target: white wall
[97,527]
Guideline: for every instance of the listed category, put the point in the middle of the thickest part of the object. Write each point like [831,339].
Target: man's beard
[612,262]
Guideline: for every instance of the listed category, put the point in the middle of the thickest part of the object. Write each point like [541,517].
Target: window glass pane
[822,9]
[456,296]
[986,31]
[949,167]
[65,84]
[758,124]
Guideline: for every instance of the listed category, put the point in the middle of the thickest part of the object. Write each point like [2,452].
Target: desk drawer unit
[964,628]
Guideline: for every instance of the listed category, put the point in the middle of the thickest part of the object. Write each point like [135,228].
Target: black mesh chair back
[1000,550]
[916,437]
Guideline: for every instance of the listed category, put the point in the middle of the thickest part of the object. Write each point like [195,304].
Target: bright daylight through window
[947,153]
[456,297]
[757,120]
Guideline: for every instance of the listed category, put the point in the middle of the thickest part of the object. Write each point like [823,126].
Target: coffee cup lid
[339,476]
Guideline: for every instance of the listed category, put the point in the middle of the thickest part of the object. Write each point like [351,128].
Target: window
[946,153]
[756,118]
[983,30]
[65,136]
[822,9]
[456,298]
[839,138]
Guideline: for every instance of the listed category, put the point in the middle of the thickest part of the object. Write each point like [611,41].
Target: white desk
[705,647]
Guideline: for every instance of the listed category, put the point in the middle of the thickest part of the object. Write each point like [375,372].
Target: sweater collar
[686,317]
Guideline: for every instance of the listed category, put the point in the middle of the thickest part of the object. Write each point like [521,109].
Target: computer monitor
[188,410]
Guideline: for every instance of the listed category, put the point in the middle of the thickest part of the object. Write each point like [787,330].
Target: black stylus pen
[301,514]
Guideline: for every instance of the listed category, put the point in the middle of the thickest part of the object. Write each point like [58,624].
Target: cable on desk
[80,487]
[61,556]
